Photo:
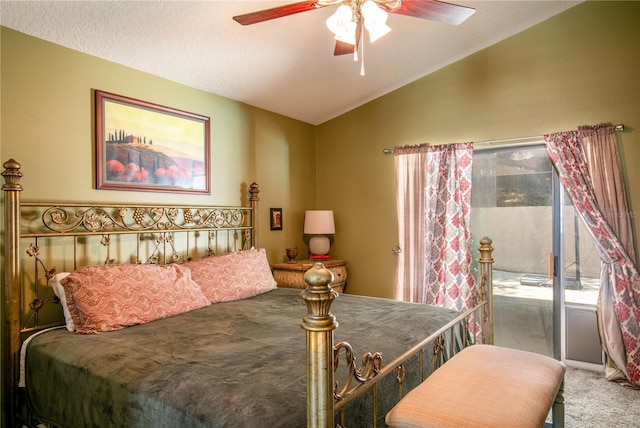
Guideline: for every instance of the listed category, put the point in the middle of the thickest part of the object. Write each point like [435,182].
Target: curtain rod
[509,142]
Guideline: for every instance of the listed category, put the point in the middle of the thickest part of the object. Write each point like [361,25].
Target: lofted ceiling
[284,65]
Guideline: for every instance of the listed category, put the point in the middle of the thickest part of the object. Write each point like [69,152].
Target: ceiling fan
[347,23]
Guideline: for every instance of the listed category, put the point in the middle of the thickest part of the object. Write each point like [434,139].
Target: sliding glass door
[546,270]
[579,279]
[512,204]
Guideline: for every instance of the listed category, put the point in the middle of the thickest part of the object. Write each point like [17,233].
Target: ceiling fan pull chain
[362,53]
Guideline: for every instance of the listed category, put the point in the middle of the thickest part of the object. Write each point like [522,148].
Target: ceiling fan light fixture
[377,32]
[348,36]
[342,25]
[375,20]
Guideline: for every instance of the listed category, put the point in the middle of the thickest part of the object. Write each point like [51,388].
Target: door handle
[551,266]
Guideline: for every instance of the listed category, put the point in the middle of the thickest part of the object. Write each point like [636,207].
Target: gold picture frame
[142,146]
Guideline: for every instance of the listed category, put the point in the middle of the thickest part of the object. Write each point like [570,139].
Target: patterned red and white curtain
[433,185]
[619,299]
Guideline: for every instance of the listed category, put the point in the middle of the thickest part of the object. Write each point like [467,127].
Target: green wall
[47,126]
[581,67]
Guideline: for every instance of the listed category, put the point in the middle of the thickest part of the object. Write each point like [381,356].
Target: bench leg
[558,408]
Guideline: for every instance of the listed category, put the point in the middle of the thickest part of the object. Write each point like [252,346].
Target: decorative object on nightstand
[291,275]
[292,253]
[320,224]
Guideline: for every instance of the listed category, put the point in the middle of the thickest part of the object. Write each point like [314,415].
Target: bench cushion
[483,386]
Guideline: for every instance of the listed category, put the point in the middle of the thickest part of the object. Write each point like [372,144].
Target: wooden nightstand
[291,275]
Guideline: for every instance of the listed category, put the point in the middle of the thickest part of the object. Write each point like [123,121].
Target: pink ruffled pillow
[233,276]
[106,298]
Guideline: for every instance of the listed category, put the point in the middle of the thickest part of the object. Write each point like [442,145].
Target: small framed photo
[147,147]
[276,218]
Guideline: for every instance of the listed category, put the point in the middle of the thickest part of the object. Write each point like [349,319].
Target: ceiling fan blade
[343,48]
[434,10]
[277,12]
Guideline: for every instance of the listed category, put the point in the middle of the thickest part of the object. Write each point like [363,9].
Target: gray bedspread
[236,364]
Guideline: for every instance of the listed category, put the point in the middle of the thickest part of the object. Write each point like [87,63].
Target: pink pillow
[233,276]
[105,298]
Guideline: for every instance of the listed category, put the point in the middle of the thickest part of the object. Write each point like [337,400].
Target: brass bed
[189,369]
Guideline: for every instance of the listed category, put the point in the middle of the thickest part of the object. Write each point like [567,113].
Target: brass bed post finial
[319,324]
[254,190]
[486,272]
[12,189]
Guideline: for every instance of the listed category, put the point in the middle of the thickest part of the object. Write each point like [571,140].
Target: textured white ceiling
[285,65]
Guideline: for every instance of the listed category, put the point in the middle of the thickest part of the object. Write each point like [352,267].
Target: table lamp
[319,223]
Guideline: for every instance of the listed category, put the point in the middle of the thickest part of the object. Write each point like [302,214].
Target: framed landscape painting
[147,147]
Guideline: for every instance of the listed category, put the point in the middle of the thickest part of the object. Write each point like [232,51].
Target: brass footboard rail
[323,397]
[439,350]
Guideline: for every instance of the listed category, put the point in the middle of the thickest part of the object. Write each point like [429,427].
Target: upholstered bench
[486,386]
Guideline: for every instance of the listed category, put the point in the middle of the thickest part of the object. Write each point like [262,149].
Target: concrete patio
[523,314]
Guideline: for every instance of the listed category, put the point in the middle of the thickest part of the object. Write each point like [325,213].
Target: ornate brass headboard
[42,238]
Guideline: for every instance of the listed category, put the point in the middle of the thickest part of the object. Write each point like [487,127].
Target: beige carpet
[592,401]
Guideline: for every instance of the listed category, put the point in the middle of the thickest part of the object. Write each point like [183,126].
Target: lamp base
[319,245]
